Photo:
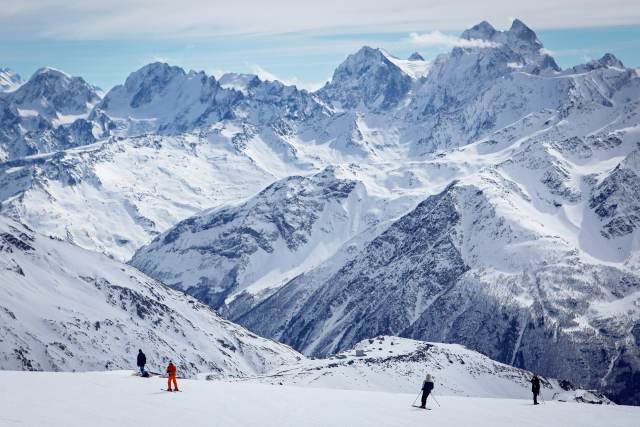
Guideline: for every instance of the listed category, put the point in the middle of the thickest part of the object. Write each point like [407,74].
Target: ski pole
[414,400]
[434,398]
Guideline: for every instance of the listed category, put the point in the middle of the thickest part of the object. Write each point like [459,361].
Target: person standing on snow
[427,386]
[142,360]
[535,388]
[171,370]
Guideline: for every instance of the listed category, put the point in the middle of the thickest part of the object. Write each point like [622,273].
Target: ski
[171,391]
[420,407]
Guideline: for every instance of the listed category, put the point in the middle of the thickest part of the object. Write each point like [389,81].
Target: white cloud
[437,38]
[264,74]
[113,19]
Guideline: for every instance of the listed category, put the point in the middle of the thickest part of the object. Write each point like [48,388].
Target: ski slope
[119,399]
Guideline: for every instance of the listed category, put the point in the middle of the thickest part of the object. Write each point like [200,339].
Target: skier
[142,360]
[171,370]
[427,386]
[535,388]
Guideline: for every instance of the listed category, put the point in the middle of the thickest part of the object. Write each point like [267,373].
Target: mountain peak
[415,56]
[367,76]
[519,38]
[610,60]
[523,32]
[50,72]
[482,31]
[52,92]
[157,69]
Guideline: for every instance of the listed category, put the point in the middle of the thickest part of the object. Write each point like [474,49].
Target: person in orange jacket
[171,370]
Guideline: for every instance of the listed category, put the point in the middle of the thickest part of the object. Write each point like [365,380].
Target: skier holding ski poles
[535,388]
[427,386]
[171,371]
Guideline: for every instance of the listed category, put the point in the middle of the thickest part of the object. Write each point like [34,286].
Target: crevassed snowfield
[119,399]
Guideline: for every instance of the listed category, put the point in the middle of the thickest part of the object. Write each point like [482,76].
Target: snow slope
[394,364]
[122,400]
[65,308]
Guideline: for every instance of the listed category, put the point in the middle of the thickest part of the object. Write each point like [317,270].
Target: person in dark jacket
[427,386]
[142,361]
[535,388]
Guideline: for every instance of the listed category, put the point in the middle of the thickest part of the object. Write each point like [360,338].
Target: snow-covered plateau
[485,198]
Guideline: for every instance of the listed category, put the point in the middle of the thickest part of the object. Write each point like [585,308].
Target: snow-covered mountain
[65,308]
[493,199]
[165,99]
[367,78]
[47,113]
[256,246]
[539,226]
[9,80]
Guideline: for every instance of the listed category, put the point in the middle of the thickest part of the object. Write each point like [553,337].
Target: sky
[297,42]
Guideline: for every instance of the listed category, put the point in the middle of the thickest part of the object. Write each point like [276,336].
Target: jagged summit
[164,98]
[482,31]
[520,39]
[415,56]
[367,77]
[52,92]
[523,32]
[610,60]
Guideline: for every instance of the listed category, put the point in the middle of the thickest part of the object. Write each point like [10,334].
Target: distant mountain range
[485,197]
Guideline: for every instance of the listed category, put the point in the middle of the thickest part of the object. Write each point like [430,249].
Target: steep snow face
[9,80]
[393,364]
[163,98]
[64,308]
[367,78]
[286,229]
